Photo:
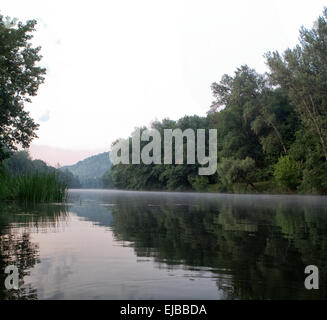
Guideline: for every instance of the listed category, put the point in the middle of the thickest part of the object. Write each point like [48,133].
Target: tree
[287,172]
[161,176]
[238,101]
[232,171]
[20,77]
[275,123]
[303,72]
[248,112]
[107,179]
[20,162]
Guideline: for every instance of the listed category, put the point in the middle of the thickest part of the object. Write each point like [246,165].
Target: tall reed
[32,187]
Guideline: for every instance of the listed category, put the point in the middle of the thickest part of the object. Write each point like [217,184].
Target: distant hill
[90,170]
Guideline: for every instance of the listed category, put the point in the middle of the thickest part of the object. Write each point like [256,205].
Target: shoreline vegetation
[32,181]
[271,129]
[266,188]
[32,188]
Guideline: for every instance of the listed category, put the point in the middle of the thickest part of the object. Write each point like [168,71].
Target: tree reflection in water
[252,247]
[256,249]
[16,246]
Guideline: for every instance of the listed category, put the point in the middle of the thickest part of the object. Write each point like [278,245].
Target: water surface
[144,245]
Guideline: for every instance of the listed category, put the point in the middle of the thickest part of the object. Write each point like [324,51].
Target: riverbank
[267,187]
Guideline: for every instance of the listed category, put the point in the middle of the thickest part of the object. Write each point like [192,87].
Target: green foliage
[287,172]
[40,187]
[232,171]
[275,124]
[107,179]
[29,180]
[307,151]
[302,71]
[200,183]
[20,77]
[237,103]
[161,176]
[315,175]
[19,80]
[20,163]
[36,187]
[252,118]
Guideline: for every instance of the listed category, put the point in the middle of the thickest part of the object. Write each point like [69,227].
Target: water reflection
[16,248]
[133,245]
[258,247]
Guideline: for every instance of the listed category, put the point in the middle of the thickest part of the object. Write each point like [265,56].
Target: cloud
[45,116]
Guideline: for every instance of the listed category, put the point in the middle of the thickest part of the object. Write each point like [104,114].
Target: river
[110,244]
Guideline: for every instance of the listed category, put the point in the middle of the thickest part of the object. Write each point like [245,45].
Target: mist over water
[107,244]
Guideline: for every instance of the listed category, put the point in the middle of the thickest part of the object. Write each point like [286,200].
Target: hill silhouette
[90,170]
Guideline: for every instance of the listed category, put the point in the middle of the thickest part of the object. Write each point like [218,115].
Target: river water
[105,244]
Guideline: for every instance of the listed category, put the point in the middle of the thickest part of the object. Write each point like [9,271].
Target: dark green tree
[302,71]
[107,179]
[233,171]
[20,77]
[287,172]
[237,103]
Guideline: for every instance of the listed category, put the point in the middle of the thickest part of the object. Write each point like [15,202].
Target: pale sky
[116,65]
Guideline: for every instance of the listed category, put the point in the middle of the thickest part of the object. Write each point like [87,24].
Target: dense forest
[272,128]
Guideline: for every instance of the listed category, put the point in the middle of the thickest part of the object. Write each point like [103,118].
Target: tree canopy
[20,77]
[302,71]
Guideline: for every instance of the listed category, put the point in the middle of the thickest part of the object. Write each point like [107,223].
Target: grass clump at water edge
[32,187]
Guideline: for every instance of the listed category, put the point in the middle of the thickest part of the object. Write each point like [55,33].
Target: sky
[116,65]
